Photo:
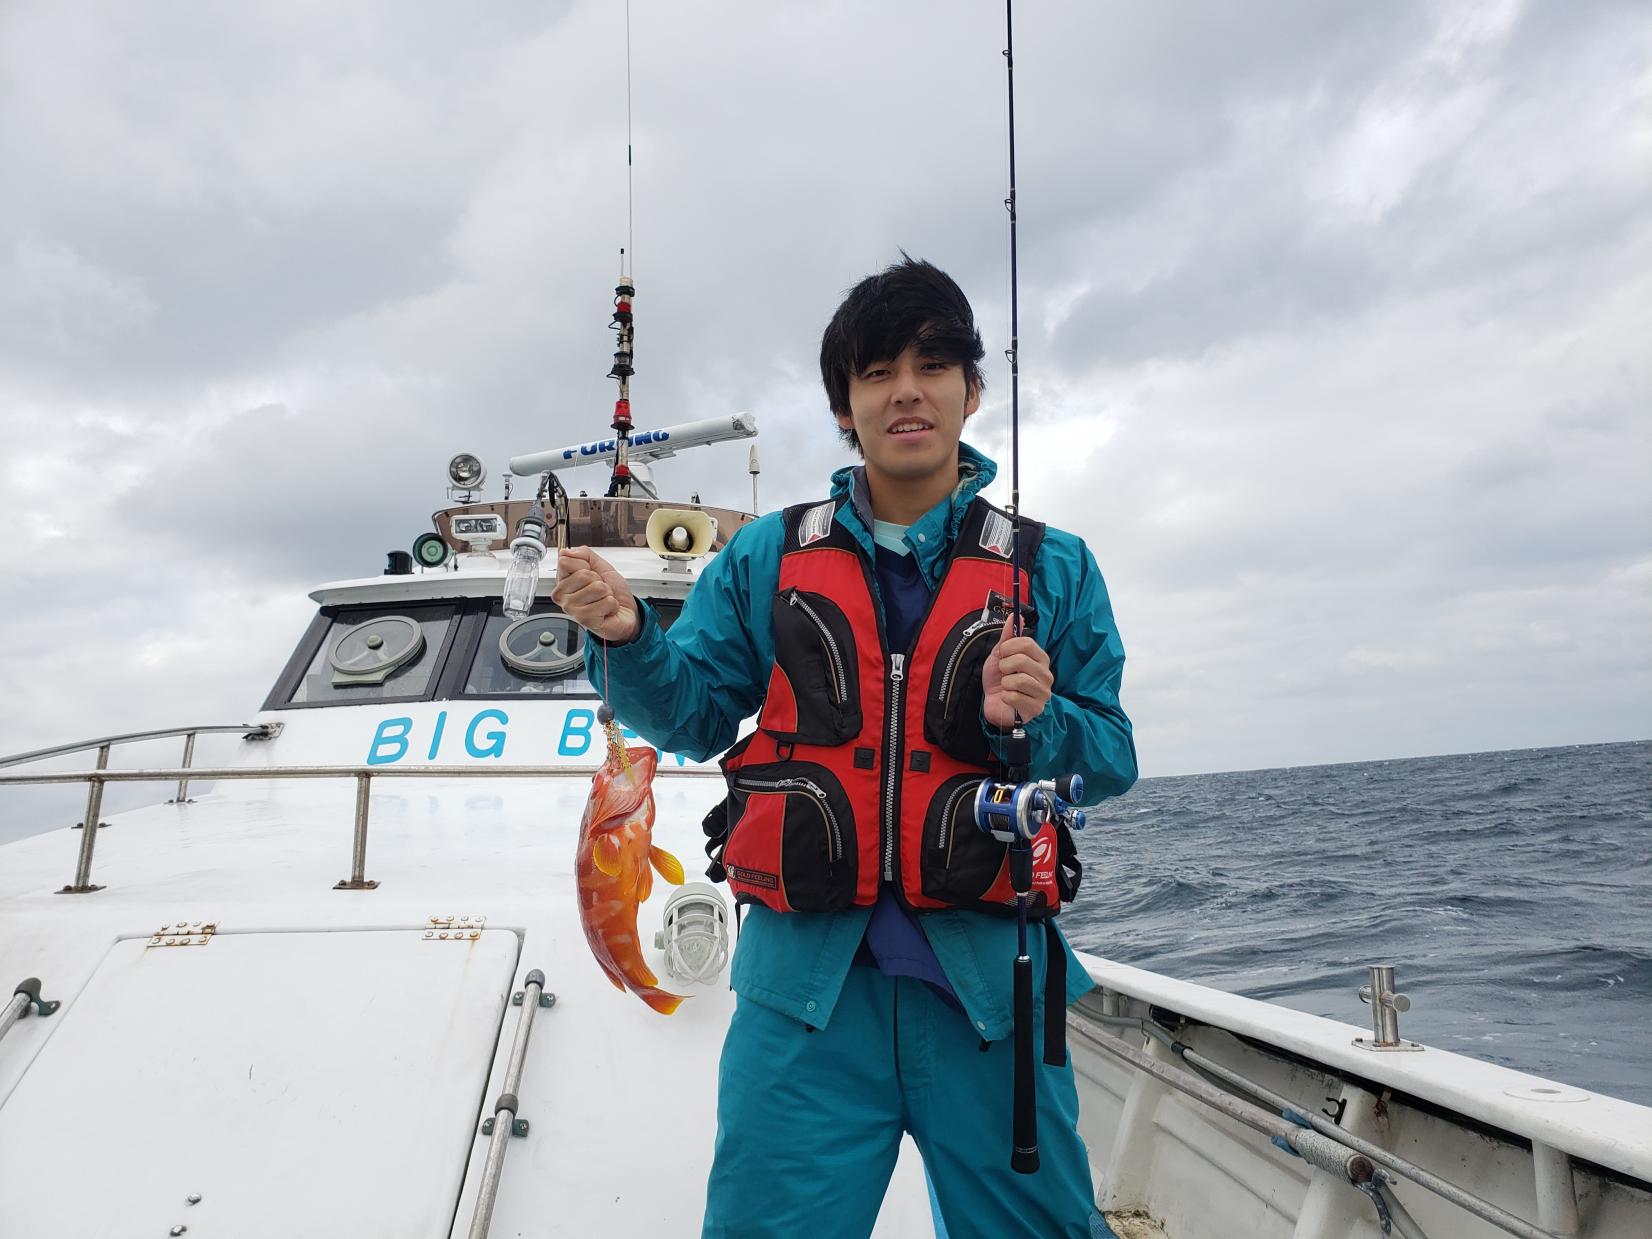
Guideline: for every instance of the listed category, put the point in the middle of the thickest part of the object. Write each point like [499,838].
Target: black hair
[909,302]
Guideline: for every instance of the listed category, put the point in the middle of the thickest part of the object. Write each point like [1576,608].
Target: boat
[336,983]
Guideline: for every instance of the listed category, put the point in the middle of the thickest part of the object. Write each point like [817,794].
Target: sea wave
[1507,888]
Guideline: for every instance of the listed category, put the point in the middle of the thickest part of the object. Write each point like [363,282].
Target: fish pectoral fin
[671,869]
[645,883]
[605,854]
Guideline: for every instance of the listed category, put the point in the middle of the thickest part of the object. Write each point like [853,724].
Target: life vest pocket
[791,838]
[814,689]
[952,709]
[960,862]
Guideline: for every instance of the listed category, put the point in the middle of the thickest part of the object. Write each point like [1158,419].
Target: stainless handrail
[332,772]
[1216,1075]
[82,885]
[504,1123]
[26,995]
[256,731]
[363,774]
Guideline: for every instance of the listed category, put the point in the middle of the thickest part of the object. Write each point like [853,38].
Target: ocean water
[1512,892]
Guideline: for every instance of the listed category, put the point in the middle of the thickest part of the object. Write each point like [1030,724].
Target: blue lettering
[576,726]
[495,739]
[589,449]
[436,740]
[389,742]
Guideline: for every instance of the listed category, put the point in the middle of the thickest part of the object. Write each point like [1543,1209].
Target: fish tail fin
[661,1001]
[671,869]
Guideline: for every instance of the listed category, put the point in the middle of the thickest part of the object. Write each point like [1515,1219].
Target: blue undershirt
[894,939]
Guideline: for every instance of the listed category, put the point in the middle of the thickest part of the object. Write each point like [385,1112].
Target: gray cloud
[1333,323]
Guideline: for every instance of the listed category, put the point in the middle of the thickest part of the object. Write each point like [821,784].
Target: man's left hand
[1017,679]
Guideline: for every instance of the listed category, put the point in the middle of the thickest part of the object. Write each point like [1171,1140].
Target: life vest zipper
[840,678]
[969,634]
[958,793]
[892,764]
[809,788]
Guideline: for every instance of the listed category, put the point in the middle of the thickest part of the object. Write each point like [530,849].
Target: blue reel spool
[1012,811]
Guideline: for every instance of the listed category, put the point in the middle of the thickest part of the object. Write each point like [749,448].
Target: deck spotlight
[466,472]
[527,551]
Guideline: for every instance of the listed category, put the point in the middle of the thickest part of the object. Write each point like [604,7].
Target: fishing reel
[1012,812]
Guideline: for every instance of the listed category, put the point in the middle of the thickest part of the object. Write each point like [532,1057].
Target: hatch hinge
[184,933]
[455,928]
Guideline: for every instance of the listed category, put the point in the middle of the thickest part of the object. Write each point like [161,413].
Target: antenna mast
[625,293]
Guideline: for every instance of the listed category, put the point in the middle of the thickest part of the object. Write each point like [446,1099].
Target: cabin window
[437,651]
[541,655]
[380,653]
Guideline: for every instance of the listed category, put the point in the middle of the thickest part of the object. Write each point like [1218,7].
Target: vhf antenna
[625,293]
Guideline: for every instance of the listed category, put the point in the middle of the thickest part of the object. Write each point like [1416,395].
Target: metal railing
[82,884]
[504,1124]
[1319,1140]
[94,796]
[25,998]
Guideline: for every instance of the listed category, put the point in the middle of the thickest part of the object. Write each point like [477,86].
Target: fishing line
[1014,350]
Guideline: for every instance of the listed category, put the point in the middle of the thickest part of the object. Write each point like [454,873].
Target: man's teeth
[906,427]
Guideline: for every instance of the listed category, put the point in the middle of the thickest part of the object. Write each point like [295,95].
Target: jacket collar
[932,534]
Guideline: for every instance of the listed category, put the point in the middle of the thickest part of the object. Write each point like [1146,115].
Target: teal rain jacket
[688,690]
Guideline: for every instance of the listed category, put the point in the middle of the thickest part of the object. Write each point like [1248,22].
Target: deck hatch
[286,1076]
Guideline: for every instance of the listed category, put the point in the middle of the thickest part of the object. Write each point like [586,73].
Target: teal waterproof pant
[809,1123]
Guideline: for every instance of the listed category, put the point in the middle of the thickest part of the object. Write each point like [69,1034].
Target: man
[873,970]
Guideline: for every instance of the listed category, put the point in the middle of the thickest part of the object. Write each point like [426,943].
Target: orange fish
[613,874]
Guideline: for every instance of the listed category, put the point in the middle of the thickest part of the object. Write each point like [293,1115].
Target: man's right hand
[594,595]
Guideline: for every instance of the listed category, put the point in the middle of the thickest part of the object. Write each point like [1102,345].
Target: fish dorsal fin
[645,882]
[605,854]
[671,869]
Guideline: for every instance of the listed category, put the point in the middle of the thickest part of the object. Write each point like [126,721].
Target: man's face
[908,413]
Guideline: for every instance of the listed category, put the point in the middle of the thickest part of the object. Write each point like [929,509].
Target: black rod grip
[1024,1154]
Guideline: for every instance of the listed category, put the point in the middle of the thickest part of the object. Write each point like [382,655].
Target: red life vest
[865,762]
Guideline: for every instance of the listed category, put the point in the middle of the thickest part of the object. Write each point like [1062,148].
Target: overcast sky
[1335,323]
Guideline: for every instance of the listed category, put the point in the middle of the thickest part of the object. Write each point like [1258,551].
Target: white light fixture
[694,933]
[527,552]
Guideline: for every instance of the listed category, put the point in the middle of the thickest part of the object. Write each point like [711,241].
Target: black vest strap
[1055,998]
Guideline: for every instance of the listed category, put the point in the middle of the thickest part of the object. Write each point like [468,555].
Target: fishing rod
[1014,810]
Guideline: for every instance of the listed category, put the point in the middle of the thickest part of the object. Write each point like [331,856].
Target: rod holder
[1386,1005]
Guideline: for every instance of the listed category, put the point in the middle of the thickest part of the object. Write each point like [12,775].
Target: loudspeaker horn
[680,534]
